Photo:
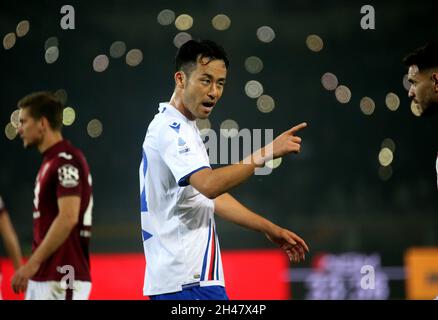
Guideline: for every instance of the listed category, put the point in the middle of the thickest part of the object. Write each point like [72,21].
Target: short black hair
[44,104]
[189,53]
[425,57]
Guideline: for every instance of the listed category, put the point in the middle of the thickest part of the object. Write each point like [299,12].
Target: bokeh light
[221,22]
[343,94]
[253,64]
[184,22]
[314,43]
[9,41]
[22,28]
[253,89]
[117,49]
[229,128]
[100,63]
[329,81]
[392,101]
[367,106]
[94,128]
[385,157]
[166,17]
[134,57]
[68,116]
[265,103]
[265,34]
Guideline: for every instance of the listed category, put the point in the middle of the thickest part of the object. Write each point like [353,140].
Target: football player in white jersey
[423,76]
[180,192]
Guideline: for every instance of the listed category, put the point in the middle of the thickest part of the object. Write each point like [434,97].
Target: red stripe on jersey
[213,255]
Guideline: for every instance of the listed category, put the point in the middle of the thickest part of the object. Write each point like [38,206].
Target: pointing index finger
[298,127]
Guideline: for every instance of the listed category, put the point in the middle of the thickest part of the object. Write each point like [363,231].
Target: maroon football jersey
[64,172]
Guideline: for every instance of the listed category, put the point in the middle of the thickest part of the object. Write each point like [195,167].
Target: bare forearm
[223,179]
[55,237]
[232,210]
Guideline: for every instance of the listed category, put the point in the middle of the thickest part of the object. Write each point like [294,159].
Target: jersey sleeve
[180,152]
[68,176]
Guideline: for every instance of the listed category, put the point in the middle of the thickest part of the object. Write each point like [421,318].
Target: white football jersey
[179,232]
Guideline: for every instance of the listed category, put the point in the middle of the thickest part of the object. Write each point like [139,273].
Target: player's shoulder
[70,155]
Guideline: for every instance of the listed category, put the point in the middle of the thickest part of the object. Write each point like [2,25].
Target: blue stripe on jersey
[143,202]
[183,181]
[146,235]
[204,263]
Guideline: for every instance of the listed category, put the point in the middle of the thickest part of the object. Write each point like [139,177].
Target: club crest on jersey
[175,126]
[68,176]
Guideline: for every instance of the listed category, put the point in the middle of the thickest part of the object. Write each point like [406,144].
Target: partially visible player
[59,266]
[423,76]
[10,239]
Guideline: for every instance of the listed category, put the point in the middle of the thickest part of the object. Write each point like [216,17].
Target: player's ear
[179,79]
[435,81]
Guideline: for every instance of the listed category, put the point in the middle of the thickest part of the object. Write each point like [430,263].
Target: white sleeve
[180,152]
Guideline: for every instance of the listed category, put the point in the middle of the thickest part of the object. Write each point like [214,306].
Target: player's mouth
[208,104]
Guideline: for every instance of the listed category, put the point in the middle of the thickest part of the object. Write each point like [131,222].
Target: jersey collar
[167,108]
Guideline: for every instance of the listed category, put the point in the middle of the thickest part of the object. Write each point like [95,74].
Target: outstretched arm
[230,209]
[213,183]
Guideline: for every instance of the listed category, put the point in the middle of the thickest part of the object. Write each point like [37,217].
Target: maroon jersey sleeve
[69,180]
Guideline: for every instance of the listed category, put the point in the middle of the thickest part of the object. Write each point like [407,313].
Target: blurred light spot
[100,63]
[253,89]
[385,173]
[388,143]
[166,17]
[314,43]
[265,103]
[392,101]
[117,49]
[51,42]
[203,125]
[416,109]
[343,94]
[52,54]
[181,38]
[61,94]
[15,120]
[229,128]
[385,157]
[253,64]
[367,106]
[94,128]
[22,28]
[68,116]
[10,131]
[184,22]
[9,41]
[265,34]
[329,81]
[274,164]
[221,22]
[134,57]
[406,83]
